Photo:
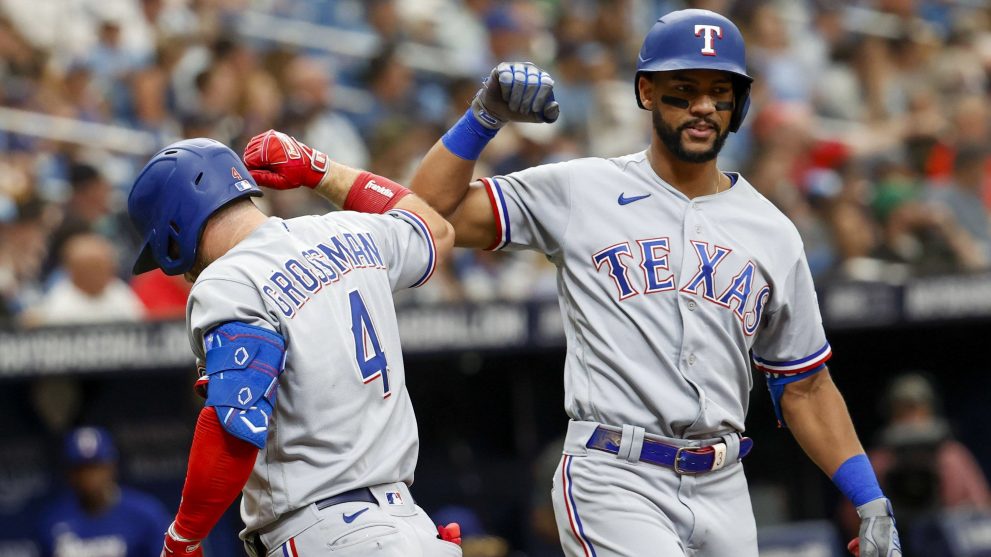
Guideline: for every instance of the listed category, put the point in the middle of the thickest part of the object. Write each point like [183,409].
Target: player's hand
[450,533]
[178,546]
[515,92]
[878,536]
[279,161]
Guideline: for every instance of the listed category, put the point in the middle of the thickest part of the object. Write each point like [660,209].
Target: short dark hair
[81,174]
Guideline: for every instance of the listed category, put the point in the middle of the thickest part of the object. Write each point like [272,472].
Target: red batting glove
[450,533]
[178,546]
[280,162]
[854,546]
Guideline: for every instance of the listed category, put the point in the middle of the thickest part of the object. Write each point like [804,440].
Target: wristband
[173,533]
[371,193]
[468,137]
[856,479]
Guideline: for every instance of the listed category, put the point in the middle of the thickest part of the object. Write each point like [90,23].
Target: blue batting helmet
[175,194]
[697,40]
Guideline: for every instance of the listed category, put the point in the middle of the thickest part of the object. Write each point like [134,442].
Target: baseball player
[306,404]
[99,516]
[673,277]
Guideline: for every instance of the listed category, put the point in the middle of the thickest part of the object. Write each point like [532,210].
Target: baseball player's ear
[645,87]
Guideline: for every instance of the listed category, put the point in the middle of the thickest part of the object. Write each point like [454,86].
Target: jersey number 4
[367,349]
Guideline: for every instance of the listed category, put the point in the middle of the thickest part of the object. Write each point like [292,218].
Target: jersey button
[691,306]
[691,359]
[698,229]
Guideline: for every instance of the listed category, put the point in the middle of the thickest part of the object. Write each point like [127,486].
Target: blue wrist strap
[468,137]
[857,481]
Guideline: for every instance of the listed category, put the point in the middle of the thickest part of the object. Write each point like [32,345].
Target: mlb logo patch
[393,498]
[243,185]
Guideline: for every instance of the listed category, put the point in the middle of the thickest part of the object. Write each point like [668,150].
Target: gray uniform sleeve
[532,208]
[792,340]
[215,301]
[406,246]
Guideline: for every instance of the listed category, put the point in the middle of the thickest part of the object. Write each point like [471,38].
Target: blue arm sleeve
[243,365]
[776,385]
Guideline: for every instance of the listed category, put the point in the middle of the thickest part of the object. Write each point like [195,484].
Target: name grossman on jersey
[323,264]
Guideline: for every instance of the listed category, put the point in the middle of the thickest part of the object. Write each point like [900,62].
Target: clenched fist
[515,92]
[279,161]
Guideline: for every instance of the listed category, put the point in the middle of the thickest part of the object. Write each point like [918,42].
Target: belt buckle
[677,459]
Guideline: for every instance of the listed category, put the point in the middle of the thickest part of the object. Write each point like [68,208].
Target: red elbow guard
[371,193]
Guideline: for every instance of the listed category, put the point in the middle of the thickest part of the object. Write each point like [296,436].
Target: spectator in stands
[310,115]
[489,276]
[507,36]
[384,18]
[921,467]
[963,198]
[390,82]
[923,238]
[459,28]
[90,292]
[112,62]
[99,516]
[86,210]
[915,424]
[150,90]
[23,239]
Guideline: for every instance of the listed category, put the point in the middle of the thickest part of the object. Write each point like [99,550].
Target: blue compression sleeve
[856,479]
[468,137]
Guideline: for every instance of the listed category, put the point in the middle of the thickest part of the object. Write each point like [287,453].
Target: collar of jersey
[660,181]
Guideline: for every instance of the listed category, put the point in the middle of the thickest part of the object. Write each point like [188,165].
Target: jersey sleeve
[792,340]
[409,253]
[532,207]
[215,301]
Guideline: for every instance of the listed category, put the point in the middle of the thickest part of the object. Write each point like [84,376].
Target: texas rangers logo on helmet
[709,31]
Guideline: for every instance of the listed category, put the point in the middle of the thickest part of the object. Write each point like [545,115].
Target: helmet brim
[145,262]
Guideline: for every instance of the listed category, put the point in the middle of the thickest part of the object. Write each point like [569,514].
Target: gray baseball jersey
[663,297]
[343,417]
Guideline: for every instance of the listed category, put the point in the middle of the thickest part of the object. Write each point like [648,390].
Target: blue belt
[360,495]
[683,460]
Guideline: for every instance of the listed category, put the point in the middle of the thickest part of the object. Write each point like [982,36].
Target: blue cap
[88,445]
[501,19]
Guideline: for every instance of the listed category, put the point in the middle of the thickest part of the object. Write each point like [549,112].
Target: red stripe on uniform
[292,547]
[812,365]
[496,213]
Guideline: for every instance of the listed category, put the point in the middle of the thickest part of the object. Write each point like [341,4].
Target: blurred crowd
[869,122]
